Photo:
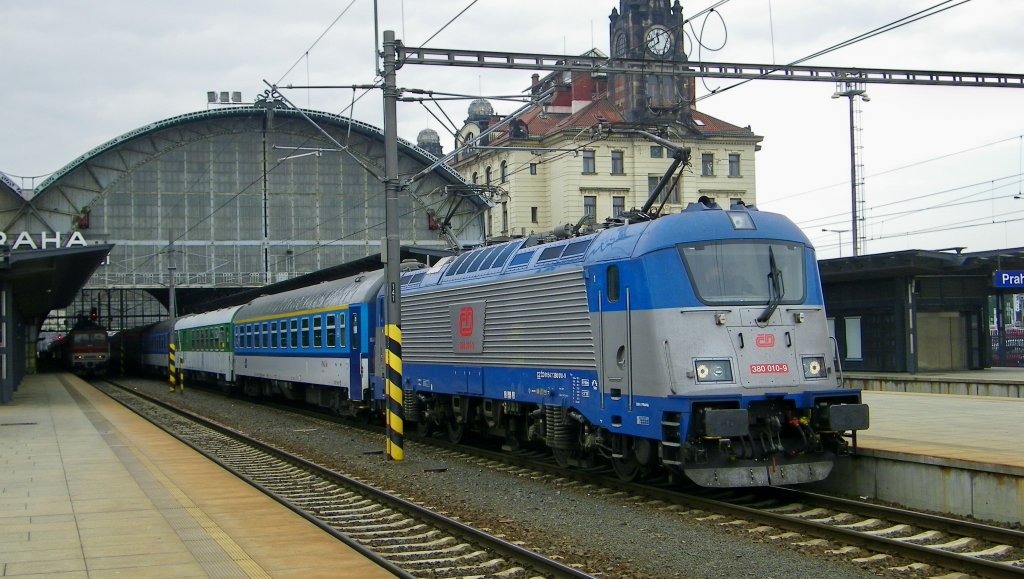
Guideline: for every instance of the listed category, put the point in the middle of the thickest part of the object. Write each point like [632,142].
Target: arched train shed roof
[320,117]
[11,198]
[248,196]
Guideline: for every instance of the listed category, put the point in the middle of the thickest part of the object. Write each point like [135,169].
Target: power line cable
[930,11]
[317,41]
[454,18]
[895,169]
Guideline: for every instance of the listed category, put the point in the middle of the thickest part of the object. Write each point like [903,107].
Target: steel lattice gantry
[242,205]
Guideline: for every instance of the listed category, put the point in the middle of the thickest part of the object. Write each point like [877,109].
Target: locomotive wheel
[424,426]
[562,456]
[455,431]
[626,468]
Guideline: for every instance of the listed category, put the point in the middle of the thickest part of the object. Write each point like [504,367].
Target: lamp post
[852,90]
[839,233]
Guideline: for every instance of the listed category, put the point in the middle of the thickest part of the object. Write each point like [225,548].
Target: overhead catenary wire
[305,53]
[909,19]
[447,24]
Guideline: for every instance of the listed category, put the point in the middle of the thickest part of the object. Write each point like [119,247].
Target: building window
[476,177]
[707,164]
[533,168]
[853,339]
[618,167]
[504,171]
[734,164]
[589,163]
[657,152]
[590,205]
[504,218]
[533,215]
[673,193]
[618,205]
[487,176]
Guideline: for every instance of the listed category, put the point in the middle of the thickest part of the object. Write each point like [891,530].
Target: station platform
[1005,382]
[89,489]
[958,454]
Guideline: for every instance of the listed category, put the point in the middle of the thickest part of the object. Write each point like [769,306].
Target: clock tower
[650,31]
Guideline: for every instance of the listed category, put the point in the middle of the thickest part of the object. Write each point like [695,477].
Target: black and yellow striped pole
[393,370]
[172,315]
[392,254]
[172,367]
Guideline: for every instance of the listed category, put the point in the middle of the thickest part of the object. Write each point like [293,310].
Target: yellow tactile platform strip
[87,489]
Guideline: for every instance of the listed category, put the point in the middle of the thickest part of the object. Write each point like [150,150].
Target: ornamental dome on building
[429,141]
[480,110]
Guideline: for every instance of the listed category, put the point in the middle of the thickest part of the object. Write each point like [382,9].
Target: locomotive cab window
[747,272]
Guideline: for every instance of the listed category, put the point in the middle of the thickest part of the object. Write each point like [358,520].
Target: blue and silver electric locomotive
[696,342]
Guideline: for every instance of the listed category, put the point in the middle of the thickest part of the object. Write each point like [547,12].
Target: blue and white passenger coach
[310,344]
[696,342]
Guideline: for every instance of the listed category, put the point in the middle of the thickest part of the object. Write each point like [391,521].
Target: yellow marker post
[172,368]
[393,374]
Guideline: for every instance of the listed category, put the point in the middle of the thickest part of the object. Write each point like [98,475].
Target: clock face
[659,40]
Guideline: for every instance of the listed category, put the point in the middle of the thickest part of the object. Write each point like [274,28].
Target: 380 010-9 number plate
[769,368]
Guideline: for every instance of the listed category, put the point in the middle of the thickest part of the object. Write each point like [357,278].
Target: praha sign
[56,240]
[1009,279]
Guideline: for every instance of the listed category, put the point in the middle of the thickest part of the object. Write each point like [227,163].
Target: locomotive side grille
[530,322]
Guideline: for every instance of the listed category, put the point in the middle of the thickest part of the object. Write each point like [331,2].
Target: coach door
[616,356]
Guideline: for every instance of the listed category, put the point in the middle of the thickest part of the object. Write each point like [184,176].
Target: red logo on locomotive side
[466,322]
[765,340]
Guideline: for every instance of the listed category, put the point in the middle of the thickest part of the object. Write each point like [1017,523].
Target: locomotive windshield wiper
[775,290]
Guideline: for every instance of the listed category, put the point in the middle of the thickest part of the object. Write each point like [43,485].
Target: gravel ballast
[607,534]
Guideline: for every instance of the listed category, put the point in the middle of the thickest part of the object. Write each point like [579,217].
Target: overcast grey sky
[78,74]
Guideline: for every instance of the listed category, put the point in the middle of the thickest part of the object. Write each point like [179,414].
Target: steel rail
[534,561]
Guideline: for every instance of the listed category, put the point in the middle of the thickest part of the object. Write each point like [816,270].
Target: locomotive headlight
[713,370]
[814,367]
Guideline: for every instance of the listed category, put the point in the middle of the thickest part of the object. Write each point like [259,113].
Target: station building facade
[577,148]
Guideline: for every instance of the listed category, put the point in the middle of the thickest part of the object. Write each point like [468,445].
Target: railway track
[868,533]
[407,539]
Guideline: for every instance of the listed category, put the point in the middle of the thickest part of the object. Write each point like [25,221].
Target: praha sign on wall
[56,240]
[1008,279]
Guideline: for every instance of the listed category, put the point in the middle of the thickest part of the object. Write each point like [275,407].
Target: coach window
[331,337]
[266,334]
[342,330]
[612,282]
[318,332]
[248,336]
[238,337]
[305,332]
[295,333]
[284,333]
[273,334]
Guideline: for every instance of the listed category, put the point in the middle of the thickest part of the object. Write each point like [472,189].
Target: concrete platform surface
[88,489]
[983,429]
